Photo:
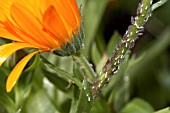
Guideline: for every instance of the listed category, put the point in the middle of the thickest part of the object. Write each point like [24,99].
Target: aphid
[140,30]
[137,37]
[140,34]
[100,73]
[84,88]
[92,87]
[115,72]
[132,44]
[118,61]
[131,33]
[123,51]
[136,25]
[128,52]
[152,1]
[142,15]
[89,98]
[139,8]
[132,21]
[122,57]
[118,68]
[128,40]
[136,18]
[105,75]
[117,58]
[99,85]
[126,45]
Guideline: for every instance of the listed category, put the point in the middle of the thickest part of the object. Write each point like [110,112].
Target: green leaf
[165,110]
[121,94]
[39,103]
[157,48]
[61,100]
[158,4]
[137,105]
[38,76]
[163,79]
[23,88]
[54,78]
[85,100]
[101,63]
[5,98]
[95,54]
[93,14]
[7,102]
[59,82]
[4,41]
[34,64]
[100,41]
[100,106]
[59,72]
[77,71]
[75,99]
[4,74]
[116,37]
[66,66]
[86,65]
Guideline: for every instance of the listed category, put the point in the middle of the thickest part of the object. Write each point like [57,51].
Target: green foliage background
[142,84]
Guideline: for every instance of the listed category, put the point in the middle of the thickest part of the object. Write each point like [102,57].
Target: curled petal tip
[16,72]
[9,86]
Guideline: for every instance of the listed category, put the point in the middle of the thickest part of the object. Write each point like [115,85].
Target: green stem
[86,65]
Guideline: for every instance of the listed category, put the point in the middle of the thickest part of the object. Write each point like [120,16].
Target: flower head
[49,25]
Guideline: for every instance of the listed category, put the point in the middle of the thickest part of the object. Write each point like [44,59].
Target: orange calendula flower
[49,25]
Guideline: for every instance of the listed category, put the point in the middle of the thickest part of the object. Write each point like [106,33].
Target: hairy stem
[134,31]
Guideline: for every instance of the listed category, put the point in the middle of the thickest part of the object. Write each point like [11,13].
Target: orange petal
[54,24]
[5,10]
[29,23]
[20,34]
[65,11]
[6,34]
[9,29]
[7,49]
[32,5]
[75,10]
[2,15]
[16,72]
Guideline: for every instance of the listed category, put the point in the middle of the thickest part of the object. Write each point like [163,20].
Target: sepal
[74,46]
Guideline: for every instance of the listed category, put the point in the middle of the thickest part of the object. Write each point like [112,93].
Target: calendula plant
[60,77]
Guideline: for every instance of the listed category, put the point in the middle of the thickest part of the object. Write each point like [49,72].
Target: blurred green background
[142,85]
